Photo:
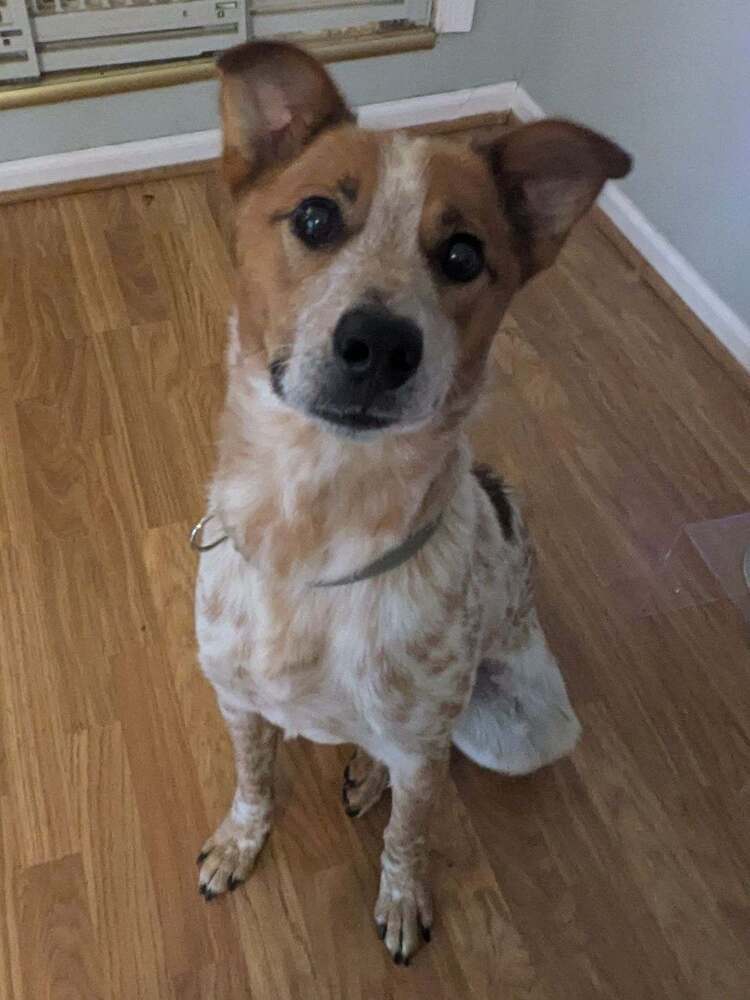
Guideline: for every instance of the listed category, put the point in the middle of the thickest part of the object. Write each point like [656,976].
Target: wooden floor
[622,873]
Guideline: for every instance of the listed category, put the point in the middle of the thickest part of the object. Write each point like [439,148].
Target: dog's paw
[227,858]
[365,780]
[403,916]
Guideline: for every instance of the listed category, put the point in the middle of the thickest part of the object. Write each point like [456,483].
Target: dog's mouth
[345,419]
[352,421]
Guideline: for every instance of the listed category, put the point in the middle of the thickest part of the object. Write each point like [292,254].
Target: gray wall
[670,80]
[491,53]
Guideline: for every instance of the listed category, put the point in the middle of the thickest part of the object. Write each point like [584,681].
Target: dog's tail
[519,717]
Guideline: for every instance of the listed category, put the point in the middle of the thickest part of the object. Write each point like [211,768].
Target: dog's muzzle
[375,354]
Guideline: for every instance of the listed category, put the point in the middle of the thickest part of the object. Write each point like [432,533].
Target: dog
[362,581]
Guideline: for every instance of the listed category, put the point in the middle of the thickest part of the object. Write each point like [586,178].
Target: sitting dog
[372,587]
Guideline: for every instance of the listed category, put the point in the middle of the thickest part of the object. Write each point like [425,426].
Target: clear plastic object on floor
[724,546]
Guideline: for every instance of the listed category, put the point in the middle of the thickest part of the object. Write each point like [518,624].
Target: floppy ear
[548,175]
[274,99]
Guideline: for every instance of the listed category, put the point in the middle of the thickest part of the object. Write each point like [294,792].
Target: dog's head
[374,268]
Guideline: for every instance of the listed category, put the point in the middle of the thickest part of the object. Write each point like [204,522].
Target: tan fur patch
[213,606]
[270,281]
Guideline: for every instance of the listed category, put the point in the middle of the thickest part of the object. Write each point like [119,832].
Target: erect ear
[274,99]
[548,175]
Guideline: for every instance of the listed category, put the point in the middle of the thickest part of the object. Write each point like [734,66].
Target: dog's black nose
[375,346]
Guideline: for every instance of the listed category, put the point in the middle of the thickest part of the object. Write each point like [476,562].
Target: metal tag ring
[196,536]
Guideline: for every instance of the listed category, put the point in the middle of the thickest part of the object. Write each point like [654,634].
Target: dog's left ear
[548,175]
[275,98]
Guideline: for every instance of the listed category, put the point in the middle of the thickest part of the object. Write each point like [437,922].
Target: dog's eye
[317,222]
[461,258]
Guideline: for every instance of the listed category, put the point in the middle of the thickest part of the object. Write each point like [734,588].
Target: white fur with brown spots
[446,647]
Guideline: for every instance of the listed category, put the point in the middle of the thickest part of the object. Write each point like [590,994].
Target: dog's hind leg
[519,717]
[365,780]
[227,857]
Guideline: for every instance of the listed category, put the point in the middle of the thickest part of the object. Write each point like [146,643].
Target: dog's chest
[334,666]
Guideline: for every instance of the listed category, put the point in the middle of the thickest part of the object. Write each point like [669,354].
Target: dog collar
[391,559]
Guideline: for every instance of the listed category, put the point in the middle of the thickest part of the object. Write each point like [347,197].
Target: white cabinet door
[17,51]
[71,34]
[285,17]
[51,35]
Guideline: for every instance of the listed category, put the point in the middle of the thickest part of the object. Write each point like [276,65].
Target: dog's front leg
[404,908]
[227,857]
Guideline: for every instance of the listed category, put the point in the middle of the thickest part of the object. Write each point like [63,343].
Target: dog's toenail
[407,960]
[201,857]
[426,932]
[398,958]
[232,883]
[382,928]
[351,812]
[203,889]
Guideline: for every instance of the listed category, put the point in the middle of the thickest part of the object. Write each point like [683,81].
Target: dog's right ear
[274,99]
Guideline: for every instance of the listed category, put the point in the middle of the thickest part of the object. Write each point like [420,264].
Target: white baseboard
[666,260]
[103,161]
[524,107]
[678,273]
[431,108]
